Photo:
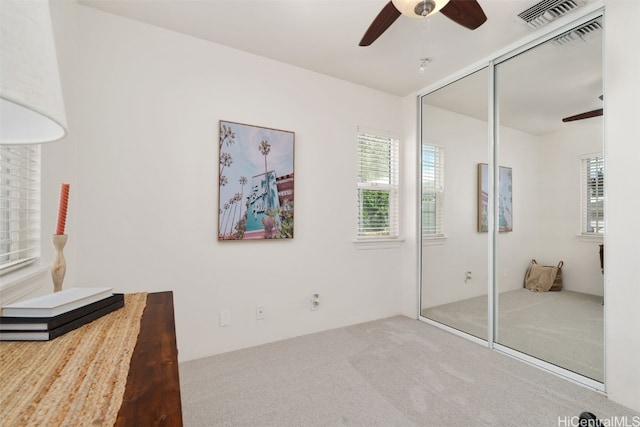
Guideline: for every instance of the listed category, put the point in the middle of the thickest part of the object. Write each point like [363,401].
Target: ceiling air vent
[581,33]
[546,11]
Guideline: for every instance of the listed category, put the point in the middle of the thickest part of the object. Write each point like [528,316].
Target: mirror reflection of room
[454,257]
[558,315]
[551,180]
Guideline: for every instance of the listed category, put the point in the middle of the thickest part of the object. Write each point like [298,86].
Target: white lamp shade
[407,7]
[31,105]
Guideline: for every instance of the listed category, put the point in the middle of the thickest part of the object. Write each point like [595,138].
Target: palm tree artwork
[265,148]
[259,160]
[226,160]
[243,182]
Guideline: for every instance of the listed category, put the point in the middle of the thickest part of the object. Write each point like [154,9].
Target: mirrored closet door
[547,208]
[509,187]
[454,254]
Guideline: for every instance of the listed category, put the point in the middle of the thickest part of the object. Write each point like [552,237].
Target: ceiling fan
[587,115]
[467,13]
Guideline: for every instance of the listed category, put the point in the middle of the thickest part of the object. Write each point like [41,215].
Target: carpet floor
[390,372]
[563,328]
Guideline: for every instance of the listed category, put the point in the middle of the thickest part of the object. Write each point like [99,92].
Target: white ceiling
[323,35]
[535,89]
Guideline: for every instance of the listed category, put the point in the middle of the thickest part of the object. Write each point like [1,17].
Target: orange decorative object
[62,209]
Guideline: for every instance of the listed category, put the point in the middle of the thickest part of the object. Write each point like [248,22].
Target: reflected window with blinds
[377,163]
[19,206]
[593,194]
[432,191]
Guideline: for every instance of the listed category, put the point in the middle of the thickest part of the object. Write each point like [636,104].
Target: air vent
[581,33]
[547,11]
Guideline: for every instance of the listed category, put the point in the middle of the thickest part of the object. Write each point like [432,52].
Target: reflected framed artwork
[505,198]
[256,177]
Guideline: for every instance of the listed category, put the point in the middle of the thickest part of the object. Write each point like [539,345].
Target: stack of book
[47,317]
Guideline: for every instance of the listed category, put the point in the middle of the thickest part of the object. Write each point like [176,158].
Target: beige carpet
[390,372]
[563,328]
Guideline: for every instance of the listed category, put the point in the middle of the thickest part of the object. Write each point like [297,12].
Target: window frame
[587,184]
[437,190]
[20,206]
[391,186]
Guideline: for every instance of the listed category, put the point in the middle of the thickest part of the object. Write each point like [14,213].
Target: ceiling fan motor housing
[424,8]
[418,8]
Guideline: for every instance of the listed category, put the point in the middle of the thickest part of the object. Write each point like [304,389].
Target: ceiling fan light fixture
[424,63]
[419,8]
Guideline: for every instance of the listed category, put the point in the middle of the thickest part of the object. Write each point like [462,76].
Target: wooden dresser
[81,378]
[152,393]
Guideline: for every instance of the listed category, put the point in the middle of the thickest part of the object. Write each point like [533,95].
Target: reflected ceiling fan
[467,13]
[587,115]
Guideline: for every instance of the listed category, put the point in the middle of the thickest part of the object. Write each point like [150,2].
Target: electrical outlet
[225,318]
[315,302]
[260,312]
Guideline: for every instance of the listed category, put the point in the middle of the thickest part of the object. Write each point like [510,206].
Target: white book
[56,303]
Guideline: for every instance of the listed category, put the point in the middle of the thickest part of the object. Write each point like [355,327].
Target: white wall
[559,210]
[445,263]
[622,135]
[141,156]
[514,250]
[59,159]
[410,200]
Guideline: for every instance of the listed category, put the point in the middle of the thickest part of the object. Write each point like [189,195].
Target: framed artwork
[255,197]
[505,198]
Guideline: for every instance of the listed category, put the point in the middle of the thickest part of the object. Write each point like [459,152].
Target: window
[593,194]
[432,191]
[377,186]
[19,205]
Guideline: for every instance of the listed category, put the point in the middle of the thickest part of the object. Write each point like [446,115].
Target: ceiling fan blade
[385,18]
[467,13]
[587,115]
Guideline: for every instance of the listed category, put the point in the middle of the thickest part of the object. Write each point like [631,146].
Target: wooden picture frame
[255,182]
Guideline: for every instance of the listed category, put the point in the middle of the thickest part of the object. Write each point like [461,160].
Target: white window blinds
[377,186]
[19,205]
[432,191]
[593,176]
